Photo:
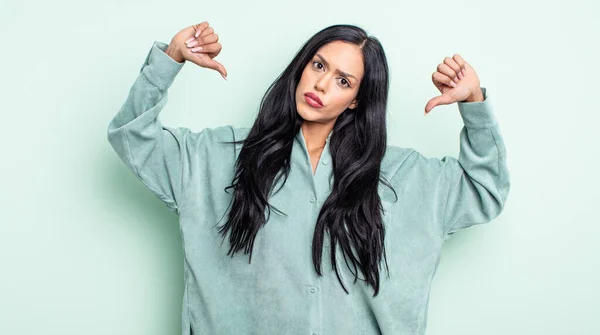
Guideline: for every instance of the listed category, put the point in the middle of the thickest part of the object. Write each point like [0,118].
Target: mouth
[313,100]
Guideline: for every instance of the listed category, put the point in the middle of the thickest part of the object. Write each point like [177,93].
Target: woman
[316,155]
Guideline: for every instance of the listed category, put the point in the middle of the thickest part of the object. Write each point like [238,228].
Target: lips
[314,98]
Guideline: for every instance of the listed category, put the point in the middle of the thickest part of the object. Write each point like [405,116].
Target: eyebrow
[336,70]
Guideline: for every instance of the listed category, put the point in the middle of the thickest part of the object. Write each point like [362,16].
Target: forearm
[479,181]
[152,151]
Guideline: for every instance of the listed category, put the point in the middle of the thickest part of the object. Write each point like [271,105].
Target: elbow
[497,199]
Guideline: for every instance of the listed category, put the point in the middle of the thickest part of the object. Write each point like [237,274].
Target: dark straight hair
[352,214]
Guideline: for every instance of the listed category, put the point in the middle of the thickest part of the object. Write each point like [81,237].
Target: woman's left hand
[457,81]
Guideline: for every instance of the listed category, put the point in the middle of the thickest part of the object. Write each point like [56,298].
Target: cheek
[305,84]
[304,79]
[344,99]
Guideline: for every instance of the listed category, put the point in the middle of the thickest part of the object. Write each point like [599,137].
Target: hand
[184,46]
[457,81]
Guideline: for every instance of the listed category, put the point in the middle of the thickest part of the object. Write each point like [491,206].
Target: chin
[309,114]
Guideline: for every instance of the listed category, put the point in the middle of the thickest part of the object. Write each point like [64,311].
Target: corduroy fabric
[280,292]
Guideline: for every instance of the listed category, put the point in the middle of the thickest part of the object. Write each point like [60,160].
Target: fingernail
[197,49]
[189,40]
[464,72]
[223,76]
[452,84]
[197,33]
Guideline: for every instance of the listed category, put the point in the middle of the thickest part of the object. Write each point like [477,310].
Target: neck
[315,134]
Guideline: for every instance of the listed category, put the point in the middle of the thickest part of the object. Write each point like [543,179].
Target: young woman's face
[333,75]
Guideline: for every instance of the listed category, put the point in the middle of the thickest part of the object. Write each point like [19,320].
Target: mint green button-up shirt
[280,292]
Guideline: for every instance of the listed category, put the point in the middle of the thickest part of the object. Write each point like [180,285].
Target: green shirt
[280,292]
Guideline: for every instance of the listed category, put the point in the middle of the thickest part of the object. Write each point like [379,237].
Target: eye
[344,81]
[347,83]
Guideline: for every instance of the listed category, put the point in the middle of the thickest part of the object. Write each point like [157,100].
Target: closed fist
[199,45]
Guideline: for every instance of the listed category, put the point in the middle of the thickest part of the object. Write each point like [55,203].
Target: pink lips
[313,100]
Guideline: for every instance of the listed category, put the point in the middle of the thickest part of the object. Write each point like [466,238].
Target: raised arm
[474,187]
[158,155]
[153,152]
[479,181]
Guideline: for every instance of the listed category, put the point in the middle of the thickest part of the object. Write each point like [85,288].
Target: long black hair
[352,213]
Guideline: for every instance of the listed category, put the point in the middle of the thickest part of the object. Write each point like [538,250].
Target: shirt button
[312,199]
[313,290]
[325,162]
[315,334]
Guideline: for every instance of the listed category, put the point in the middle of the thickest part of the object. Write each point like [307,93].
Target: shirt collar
[300,136]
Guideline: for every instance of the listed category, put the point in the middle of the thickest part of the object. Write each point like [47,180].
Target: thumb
[209,63]
[443,99]
[213,64]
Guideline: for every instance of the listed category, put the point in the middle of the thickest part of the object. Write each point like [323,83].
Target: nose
[321,83]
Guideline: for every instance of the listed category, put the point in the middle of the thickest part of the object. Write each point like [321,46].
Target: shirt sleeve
[479,180]
[155,153]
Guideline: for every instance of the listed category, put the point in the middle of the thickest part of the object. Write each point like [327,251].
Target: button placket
[315,309]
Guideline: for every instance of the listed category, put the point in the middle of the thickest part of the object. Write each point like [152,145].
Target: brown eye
[345,82]
[315,62]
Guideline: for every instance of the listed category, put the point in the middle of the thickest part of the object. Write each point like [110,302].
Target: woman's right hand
[192,37]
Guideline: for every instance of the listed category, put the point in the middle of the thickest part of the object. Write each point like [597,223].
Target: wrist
[174,53]
[476,96]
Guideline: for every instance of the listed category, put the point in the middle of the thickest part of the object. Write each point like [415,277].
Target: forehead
[346,57]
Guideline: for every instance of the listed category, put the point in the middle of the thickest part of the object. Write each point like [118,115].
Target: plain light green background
[86,249]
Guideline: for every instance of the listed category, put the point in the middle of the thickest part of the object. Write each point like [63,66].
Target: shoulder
[401,163]
[240,132]
[216,140]
[225,133]
[394,159]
